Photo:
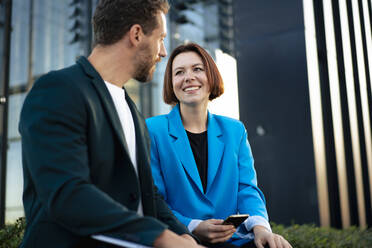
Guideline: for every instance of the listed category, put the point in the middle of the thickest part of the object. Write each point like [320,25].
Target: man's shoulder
[57,88]
[68,74]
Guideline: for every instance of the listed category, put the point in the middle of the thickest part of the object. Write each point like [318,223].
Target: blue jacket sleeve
[250,198]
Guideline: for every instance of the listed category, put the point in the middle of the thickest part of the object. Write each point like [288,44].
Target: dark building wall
[274,105]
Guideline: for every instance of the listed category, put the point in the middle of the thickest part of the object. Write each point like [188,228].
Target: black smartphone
[235,219]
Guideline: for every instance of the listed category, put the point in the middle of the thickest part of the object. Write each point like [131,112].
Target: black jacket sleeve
[55,155]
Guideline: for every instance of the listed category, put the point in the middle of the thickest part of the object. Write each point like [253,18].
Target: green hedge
[310,236]
[300,236]
[11,235]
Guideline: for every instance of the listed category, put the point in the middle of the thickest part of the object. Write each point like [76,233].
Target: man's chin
[146,79]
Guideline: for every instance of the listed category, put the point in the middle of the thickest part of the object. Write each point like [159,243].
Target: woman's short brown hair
[213,75]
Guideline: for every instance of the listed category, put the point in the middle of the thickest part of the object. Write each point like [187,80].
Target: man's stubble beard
[145,65]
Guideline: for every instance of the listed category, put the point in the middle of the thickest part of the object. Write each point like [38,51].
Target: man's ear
[136,34]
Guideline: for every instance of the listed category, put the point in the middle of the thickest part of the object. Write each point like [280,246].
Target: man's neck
[112,63]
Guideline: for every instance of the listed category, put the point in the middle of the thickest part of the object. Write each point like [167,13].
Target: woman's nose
[189,75]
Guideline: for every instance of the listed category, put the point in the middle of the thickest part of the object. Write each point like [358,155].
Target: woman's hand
[212,231]
[262,237]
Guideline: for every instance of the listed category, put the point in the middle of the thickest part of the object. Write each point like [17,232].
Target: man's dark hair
[113,18]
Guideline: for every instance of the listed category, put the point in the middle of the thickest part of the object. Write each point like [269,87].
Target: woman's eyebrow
[182,67]
[177,68]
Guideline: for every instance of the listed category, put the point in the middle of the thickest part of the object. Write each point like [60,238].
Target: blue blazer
[231,182]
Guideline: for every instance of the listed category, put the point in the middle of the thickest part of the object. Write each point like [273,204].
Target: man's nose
[163,51]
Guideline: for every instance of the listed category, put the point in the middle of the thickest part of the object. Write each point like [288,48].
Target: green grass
[300,236]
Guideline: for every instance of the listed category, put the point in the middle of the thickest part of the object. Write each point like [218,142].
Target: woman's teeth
[191,88]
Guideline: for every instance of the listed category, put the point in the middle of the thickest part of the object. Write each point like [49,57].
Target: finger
[215,221]
[271,242]
[220,228]
[229,236]
[278,242]
[219,235]
[287,244]
[222,239]
[227,232]
[258,243]
[283,243]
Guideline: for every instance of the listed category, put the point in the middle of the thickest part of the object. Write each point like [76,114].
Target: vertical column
[4,104]
[351,99]
[367,25]
[365,112]
[316,113]
[30,45]
[336,112]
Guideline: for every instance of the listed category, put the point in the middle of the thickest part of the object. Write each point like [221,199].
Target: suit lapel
[215,149]
[142,139]
[182,146]
[107,101]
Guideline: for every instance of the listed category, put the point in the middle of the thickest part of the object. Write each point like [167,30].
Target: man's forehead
[163,23]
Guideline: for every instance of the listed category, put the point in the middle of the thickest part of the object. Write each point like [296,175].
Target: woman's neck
[194,117]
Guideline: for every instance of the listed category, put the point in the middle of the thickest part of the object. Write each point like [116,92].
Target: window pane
[14,178]
[19,42]
[52,48]
[15,105]
[14,183]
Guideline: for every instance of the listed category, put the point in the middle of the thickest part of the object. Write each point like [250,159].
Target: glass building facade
[37,36]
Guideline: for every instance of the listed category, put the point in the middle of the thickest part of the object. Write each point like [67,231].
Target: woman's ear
[136,34]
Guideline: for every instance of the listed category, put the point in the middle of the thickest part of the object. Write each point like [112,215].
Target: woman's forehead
[187,59]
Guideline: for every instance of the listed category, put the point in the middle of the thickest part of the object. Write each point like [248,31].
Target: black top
[199,146]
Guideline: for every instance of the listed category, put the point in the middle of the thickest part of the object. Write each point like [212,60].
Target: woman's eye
[178,72]
[198,69]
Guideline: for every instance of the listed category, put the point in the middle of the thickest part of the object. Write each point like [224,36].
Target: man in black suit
[86,148]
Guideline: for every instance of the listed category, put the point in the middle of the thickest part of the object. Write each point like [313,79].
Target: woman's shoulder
[156,122]
[228,122]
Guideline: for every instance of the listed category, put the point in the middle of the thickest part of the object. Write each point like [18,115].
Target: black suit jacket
[78,176]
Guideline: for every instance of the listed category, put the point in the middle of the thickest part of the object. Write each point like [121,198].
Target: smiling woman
[190,83]
[200,61]
[207,157]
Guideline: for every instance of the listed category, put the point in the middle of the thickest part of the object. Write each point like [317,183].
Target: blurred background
[297,74]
